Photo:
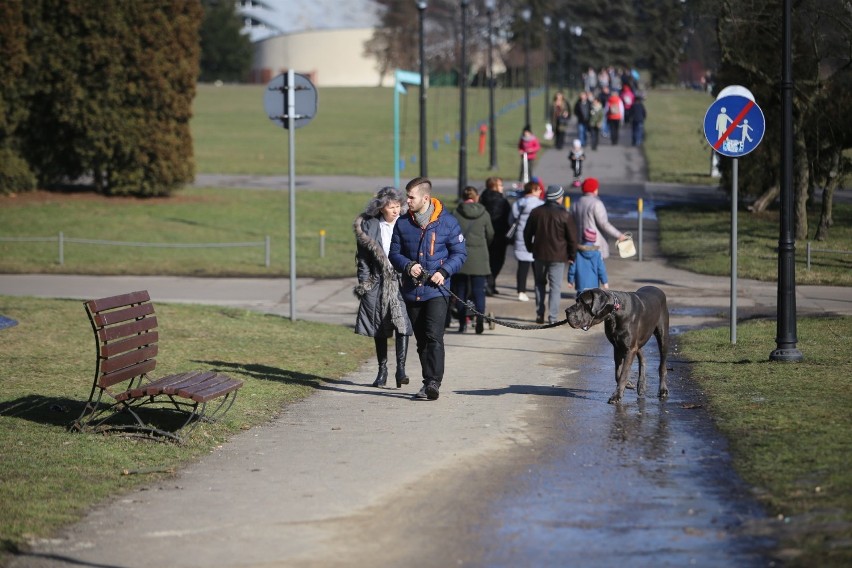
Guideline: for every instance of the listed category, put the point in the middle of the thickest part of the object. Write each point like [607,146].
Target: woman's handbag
[626,248]
[513,228]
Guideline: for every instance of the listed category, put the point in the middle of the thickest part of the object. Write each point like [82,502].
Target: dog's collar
[616,304]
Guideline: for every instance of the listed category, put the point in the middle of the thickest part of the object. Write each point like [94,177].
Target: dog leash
[468,304]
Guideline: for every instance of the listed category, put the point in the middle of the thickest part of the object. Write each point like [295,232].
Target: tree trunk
[769,196]
[825,214]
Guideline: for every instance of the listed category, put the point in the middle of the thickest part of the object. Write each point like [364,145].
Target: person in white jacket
[590,212]
[521,209]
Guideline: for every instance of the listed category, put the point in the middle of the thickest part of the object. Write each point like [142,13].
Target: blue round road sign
[734,125]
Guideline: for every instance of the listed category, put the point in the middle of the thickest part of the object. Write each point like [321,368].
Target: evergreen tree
[226,52]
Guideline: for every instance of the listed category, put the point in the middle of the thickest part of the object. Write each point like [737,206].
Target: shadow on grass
[267,373]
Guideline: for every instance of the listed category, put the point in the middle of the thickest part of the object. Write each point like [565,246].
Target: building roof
[270,18]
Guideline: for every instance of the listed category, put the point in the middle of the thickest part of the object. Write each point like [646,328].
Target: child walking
[577,156]
[588,269]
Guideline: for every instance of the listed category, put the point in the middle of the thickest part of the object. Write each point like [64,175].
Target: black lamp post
[492,124]
[546,49]
[421,8]
[463,100]
[526,14]
[561,40]
[785,339]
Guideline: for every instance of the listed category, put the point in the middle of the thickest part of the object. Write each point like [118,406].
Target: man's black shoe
[432,390]
[539,319]
[421,394]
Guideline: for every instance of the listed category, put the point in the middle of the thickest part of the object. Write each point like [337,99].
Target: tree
[111,88]
[659,33]
[226,52]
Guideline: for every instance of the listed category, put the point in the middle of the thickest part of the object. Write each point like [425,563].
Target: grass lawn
[788,425]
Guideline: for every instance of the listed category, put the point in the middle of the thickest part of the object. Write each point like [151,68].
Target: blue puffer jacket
[440,246]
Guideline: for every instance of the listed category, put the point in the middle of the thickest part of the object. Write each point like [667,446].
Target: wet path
[645,483]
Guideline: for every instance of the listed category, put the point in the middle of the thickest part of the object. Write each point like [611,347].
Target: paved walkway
[357,476]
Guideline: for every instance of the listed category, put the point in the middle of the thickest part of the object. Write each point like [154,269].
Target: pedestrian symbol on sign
[734,125]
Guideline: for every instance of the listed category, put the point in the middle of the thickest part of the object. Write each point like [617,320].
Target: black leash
[468,304]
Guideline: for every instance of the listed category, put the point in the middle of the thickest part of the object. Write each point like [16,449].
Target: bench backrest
[125,335]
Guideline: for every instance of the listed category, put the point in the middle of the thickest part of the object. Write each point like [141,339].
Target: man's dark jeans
[428,319]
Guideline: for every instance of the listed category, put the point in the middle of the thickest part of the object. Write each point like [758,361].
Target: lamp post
[561,25]
[526,14]
[492,124]
[421,8]
[546,49]
[463,100]
[785,339]
[574,31]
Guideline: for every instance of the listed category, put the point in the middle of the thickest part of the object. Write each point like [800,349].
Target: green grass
[675,148]
[698,239]
[788,425]
[49,476]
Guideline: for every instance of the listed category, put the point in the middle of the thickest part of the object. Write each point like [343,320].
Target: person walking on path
[588,269]
[590,212]
[583,112]
[528,145]
[551,235]
[478,235]
[381,309]
[428,248]
[614,112]
[521,210]
[596,118]
[638,120]
[498,208]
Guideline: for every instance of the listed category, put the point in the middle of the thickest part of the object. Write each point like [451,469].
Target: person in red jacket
[614,113]
[527,145]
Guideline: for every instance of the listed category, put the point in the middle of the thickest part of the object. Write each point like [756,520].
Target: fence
[810,250]
[62,239]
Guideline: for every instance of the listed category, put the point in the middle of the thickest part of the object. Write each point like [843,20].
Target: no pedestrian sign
[734,124]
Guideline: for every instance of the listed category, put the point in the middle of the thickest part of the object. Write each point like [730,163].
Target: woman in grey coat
[381,311]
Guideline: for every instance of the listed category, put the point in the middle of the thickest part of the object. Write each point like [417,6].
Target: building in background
[323,39]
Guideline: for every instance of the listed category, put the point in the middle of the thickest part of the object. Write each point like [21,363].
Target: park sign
[275,99]
[734,124]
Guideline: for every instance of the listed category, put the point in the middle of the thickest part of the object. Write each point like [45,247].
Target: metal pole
[525,14]
[291,130]
[641,215]
[545,50]
[734,198]
[463,101]
[492,123]
[267,252]
[785,339]
[561,40]
[421,8]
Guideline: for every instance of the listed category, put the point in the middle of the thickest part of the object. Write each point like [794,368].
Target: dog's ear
[601,304]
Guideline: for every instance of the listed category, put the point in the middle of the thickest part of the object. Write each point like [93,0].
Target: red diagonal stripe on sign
[734,124]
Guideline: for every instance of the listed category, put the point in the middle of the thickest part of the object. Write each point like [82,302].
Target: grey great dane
[630,319]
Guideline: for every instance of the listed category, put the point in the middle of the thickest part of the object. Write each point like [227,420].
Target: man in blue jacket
[427,247]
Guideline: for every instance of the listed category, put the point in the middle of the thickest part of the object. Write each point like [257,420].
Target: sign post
[401,77]
[290,101]
[734,126]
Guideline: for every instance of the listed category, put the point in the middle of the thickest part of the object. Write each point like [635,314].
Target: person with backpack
[596,119]
[614,112]
[588,269]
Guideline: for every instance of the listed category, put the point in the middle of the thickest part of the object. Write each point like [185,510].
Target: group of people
[413,256]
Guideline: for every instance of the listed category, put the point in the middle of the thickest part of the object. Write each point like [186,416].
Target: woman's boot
[401,352]
[382,356]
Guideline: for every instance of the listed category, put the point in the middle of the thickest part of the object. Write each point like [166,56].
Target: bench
[126,336]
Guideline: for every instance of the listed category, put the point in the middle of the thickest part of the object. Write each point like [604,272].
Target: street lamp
[526,14]
[575,31]
[561,44]
[463,100]
[492,138]
[421,8]
[546,47]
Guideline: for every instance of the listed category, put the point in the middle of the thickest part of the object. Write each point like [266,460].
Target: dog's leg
[623,372]
[662,335]
[640,386]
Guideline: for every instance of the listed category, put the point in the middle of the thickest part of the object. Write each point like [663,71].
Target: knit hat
[554,192]
[590,185]
[577,143]
[590,235]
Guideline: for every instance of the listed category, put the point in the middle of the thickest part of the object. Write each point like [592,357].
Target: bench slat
[103,319]
[132,342]
[111,302]
[218,390]
[169,384]
[129,359]
[128,373]
[127,329]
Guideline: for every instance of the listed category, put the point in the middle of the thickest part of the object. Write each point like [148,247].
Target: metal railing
[811,250]
[61,239]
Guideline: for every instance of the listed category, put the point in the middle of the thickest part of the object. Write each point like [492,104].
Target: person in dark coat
[381,309]
[551,236]
[478,234]
[428,248]
[499,209]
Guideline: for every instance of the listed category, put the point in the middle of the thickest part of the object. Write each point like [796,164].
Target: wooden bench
[126,337]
